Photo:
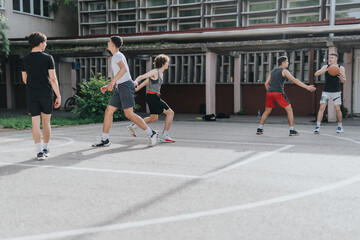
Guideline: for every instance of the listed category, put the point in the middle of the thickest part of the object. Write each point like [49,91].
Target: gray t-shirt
[155,85]
[277,80]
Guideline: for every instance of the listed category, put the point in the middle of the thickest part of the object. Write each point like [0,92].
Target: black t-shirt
[36,66]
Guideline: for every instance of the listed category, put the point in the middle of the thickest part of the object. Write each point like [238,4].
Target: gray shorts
[334,96]
[123,96]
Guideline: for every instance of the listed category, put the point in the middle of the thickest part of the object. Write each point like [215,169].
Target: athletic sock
[148,131]
[165,133]
[261,126]
[318,124]
[104,136]
[291,127]
[38,147]
[46,146]
[340,124]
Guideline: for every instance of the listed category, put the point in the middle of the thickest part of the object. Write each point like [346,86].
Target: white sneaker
[131,129]
[153,138]
[340,130]
[167,139]
[317,130]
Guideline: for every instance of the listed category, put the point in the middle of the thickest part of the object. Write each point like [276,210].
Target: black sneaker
[40,156]
[259,131]
[293,133]
[47,152]
[102,143]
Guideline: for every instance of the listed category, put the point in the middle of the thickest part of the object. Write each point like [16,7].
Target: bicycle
[70,103]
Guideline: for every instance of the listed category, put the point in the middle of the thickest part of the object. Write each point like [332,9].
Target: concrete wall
[63,23]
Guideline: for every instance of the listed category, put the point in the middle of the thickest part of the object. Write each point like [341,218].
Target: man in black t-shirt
[38,73]
[332,91]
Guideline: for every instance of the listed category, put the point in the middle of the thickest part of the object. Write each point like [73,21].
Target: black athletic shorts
[42,105]
[156,104]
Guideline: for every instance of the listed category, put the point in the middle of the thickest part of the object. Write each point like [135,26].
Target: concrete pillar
[210,82]
[8,87]
[347,87]
[237,84]
[65,81]
[148,68]
[331,107]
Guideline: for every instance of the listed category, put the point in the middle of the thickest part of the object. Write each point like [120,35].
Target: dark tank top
[332,83]
[277,80]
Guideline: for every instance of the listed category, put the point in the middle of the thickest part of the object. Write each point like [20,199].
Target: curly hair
[160,60]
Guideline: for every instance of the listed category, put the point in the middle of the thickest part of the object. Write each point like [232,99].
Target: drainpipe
[332,15]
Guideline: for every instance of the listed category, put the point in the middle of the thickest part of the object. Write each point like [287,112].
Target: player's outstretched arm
[288,75]
[143,84]
[321,70]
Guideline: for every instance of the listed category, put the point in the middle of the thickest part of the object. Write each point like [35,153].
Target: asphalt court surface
[218,181]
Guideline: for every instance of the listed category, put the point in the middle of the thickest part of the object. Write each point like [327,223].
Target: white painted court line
[250,160]
[102,170]
[194,215]
[69,141]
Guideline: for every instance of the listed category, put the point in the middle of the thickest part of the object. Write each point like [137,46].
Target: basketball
[333,70]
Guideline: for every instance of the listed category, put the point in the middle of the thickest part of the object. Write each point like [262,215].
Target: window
[156,2]
[97,18]
[97,30]
[261,5]
[186,26]
[188,1]
[123,30]
[126,17]
[33,7]
[345,11]
[126,4]
[189,12]
[260,20]
[159,28]
[346,1]
[97,6]
[300,17]
[302,3]
[1,4]
[224,24]
[157,15]
[224,10]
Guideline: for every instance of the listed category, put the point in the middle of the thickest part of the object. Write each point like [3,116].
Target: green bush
[91,103]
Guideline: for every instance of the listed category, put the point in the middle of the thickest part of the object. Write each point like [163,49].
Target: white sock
[291,127]
[318,124]
[148,131]
[134,126]
[104,136]
[340,124]
[46,146]
[261,126]
[165,133]
[38,147]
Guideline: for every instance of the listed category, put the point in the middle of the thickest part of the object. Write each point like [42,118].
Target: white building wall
[63,23]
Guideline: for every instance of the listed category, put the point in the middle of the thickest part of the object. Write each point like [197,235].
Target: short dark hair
[117,40]
[36,38]
[281,59]
[160,60]
[334,54]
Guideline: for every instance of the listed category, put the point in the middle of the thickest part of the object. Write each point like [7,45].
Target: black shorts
[42,105]
[156,104]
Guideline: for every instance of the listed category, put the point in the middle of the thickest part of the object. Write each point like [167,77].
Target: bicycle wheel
[70,104]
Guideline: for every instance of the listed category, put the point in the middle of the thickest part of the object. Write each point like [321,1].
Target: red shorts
[280,98]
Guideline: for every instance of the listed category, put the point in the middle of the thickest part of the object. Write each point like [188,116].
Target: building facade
[221,51]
